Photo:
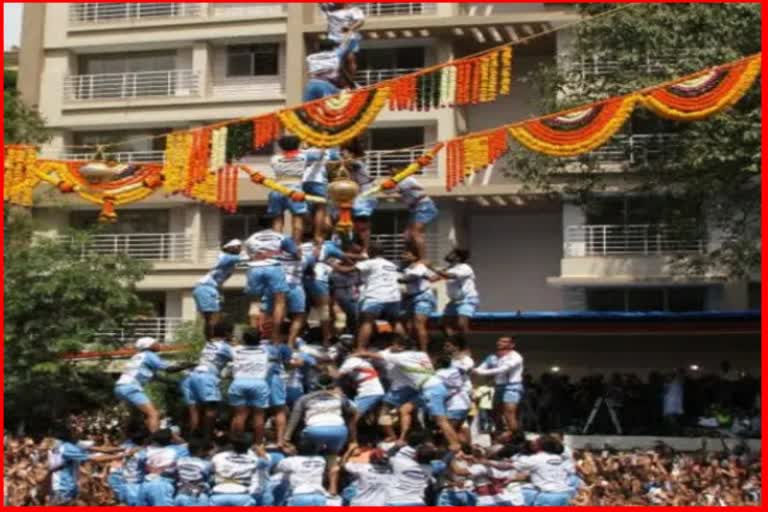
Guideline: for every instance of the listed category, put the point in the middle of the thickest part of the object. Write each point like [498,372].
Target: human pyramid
[356,417]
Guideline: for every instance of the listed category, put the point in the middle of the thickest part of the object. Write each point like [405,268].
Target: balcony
[600,65]
[124,157]
[174,83]
[246,10]
[635,149]
[397,9]
[84,14]
[163,329]
[393,245]
[631,240]
[379,162]
[143,246]
[367,77]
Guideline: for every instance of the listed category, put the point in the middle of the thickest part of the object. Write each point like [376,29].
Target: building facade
[106,73]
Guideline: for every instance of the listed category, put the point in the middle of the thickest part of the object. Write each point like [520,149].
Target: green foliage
[714,164]
[57,297]
[9,79]
[22,124]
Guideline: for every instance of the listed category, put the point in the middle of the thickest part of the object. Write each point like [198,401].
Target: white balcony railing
[143,246]
[379,162]
[94,13]
[397,9]
[238,10]
[163,329]
[143,84]
[599,65]
[635,149]
[119,156]
[393,245]
[632,239]
[371,76]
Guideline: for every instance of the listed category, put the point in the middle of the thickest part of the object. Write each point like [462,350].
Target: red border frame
[764,265]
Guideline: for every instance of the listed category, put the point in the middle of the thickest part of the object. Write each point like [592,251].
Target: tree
[22,124]
[713,166]
[57,298]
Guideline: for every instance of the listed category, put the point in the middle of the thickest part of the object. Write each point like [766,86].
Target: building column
[188,308]
[294,54]
[202,65]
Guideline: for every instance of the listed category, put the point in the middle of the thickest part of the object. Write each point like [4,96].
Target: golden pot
[343,191]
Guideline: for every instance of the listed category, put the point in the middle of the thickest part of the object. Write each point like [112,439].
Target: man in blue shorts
[207,291]
[462,292]
[506,367]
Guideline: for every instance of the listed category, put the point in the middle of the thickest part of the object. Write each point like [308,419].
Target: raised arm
[296,415]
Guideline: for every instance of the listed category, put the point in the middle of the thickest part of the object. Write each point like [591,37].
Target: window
[394,138]
[241,224]
[252,60]
[127,62]
[391,58]
[678,299]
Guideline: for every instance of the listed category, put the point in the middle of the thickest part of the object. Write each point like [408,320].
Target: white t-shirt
[214,357]
[265,247]
[416,278]
[380,280]
[322,409]
[341,19]
[250,362]
[416,367]
[316,171]
[411,192]
[161,461]
[305,474]
[372,483]
[289,167]
[453,379]
[462,286]
[549,472]
[507,369]
[396,376]
[409,479]
[366,376]
[238,473]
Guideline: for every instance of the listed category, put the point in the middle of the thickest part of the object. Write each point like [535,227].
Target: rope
[430,69]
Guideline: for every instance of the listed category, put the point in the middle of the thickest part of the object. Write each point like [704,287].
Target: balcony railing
[393,245]
[632,239]
[143,84]
[371,76]
[236,10]
[163,329]
[143,246]
[635,149]
[95,13]
[119,156]
[397,9]
[598,65]
[379,162]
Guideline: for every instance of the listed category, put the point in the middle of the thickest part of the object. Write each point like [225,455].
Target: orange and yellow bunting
[472,154]
[20,177]
[178,148]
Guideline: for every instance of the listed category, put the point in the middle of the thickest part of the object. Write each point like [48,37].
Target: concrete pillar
[188,308]
[173,304]
[31,55]
[295,53]
[573,215]
[202,64]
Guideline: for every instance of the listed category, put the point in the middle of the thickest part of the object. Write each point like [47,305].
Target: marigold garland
[266,130]
[178,149]
[20,178]
[226,193]
[505,81]
[469,155]
[218,157]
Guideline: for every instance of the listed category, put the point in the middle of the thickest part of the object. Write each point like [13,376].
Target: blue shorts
[315,188]
[277,203]
[207,298]
[354,41]
[332,439]
[400,396]
[187,500]
[508,393]
[457,414]
[552,499]
[131,393]
[232,500]
[364,207]
[435,397]
[249,393]
[200,387]
[314,499]
[347,304]
[461,308]
[157,492]
[363,404]
[295,300]
[388,310]
[424,304]
[317,88]
[424,212]
[125,493]
[277,392]
[292,394]
[316,288]
[265,280]
[450,498]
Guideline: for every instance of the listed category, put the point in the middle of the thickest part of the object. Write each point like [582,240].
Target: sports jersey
[265,247]
[252,361]
[214,357]
[365,375]
[64,463]
[305,474]
[303,377]
[289,166]
[416,367]
[548,472]
[372,483]
[454,381]
[461,286]
[341,19]
[409,478]
[507,369]
[321,271]
[161,462]
[416,277]
[194,474]
[395,374]
[320,409]
[316,171]
[223,270]
[411,192]
[380,280]
[359,174]
[238,473]
[488,485]
[141,367]
[133,465]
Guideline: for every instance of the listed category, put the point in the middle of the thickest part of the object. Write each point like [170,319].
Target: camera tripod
[610,405]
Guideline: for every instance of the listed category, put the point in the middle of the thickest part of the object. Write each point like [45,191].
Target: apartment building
[105,73]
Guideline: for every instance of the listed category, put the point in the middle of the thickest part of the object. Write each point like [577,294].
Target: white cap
[145,342]
[233,243]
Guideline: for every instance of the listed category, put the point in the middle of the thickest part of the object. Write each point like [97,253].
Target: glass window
[242,223]
[684,299]
[252,60]
[394,138]
[605,299]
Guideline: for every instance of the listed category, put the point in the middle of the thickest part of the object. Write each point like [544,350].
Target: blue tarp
[614,315]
